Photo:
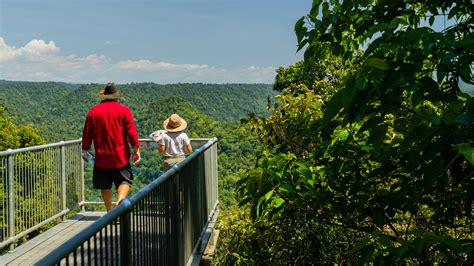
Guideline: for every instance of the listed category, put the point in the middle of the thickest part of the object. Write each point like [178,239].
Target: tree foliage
[386,155]
[13,136]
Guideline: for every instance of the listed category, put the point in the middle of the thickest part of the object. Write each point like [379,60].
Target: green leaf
[278,202]
[343,135]
[333,107]
[431,20]
[365,255]
[373,46]
[432,171]
[268,195]
[303,170]
[302,44]
[371,123]
[384,240]
[325,9]
[376,63]
[300,29]
[314,12]
[467,150]
[466,72]
[287,188]
[361,243]
[378,215]
[454,244]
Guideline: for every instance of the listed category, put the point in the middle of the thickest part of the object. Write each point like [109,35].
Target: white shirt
[174,143]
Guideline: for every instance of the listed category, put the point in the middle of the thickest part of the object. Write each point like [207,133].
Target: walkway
[43,244]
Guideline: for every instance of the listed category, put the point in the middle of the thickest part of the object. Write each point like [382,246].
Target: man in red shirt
[110,126]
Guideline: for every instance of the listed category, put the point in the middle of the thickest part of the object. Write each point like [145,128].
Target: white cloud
[149,65]
[33,50]
[262,69]
[41,60]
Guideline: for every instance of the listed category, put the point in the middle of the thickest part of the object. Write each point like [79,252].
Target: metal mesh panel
[73,175]
[36,183]
[37,190]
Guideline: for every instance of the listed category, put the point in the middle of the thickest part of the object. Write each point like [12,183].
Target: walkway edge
[30,244]
[195,260]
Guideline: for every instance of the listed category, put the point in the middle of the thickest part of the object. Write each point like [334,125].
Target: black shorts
[102,178]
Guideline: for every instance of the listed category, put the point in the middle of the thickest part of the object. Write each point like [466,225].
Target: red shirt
[110,125]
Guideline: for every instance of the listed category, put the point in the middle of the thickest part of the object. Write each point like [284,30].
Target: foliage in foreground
[386,153]
[283,241]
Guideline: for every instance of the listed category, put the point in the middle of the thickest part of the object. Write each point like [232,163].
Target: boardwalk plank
[38,247]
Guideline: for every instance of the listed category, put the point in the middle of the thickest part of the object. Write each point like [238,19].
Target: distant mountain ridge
[58,109]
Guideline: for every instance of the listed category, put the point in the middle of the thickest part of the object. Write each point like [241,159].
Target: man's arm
[132,136]
[130,128]
[87,133]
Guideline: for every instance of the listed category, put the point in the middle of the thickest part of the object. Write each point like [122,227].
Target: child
[174,143]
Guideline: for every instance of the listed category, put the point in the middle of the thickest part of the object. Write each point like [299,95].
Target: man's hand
[86,155]
[136,156]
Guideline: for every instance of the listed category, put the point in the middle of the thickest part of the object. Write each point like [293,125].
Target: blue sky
[210,41]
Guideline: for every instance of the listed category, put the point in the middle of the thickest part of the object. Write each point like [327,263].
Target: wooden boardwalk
[38,247]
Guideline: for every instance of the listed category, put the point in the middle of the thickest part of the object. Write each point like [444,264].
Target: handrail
[172,210]
[39,147]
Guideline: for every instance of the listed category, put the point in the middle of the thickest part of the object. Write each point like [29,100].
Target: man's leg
[107,197]
[122,192]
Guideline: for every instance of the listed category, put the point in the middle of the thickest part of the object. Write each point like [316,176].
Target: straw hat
[110,92]
[175,123]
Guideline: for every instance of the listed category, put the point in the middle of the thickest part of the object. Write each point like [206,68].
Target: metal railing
[162,224]
[38,185]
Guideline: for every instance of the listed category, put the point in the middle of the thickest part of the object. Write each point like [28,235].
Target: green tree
[388,159]
[13,137]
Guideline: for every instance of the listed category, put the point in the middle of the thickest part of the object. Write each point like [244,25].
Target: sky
[123,41]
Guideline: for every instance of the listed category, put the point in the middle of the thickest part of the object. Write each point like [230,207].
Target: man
[110,126]
[174,143]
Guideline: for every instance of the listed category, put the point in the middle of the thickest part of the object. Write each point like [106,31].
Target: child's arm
[188,148]
[161,149]
[161,144]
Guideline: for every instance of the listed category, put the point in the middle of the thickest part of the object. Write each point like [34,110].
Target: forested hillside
[58,110]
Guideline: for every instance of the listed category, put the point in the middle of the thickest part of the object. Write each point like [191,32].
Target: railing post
[215,173]
[63,178]
[83,198]
[11,211]
[176,258]
[125,239]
